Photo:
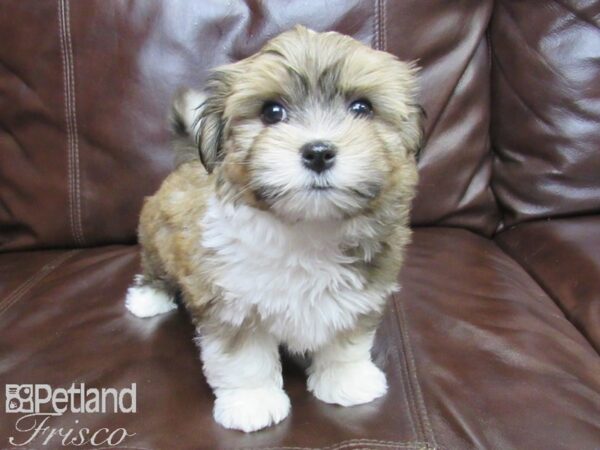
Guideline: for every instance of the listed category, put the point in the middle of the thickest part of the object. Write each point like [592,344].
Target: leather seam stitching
[34,279]
[406,389]
[383,28]
[67,121]
[375,40]
[407,379]
[73,174]
[379,27]
[355,443]
[424,416]
[75,128]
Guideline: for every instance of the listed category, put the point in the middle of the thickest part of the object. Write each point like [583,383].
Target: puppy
[290,226]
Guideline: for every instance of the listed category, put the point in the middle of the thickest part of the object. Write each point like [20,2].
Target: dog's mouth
[321,188]
[365,191]
[318,200]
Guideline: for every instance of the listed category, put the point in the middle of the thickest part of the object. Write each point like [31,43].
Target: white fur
[251,409]
[342,373]
[306,293]
[146,301]
[348,384]
[295,276]
[247,381]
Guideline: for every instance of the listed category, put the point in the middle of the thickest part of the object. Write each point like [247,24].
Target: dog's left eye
[273,112]
[361,108]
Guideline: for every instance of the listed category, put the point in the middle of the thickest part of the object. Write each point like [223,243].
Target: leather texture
[93,82]
[546,114]
[493,341]
[467,353]
[563,257]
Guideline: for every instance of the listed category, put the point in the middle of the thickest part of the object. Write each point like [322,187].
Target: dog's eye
[361,108]
[273,112]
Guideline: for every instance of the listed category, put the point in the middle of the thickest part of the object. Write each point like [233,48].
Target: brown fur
[316,73]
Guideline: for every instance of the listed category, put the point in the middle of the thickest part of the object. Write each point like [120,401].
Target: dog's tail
[185,124]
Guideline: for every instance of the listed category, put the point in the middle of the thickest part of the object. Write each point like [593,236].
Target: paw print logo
[19,398]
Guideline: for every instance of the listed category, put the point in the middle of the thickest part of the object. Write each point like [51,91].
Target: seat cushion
[564,258]
[498,364]
[471,347]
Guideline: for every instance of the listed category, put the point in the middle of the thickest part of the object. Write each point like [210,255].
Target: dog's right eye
[273,112]
[361,108]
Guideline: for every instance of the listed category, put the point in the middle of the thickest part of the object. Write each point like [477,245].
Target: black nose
[318,155]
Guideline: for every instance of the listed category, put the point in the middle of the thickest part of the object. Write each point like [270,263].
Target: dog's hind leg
[151,294]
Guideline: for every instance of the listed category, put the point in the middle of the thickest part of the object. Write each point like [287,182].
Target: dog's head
[314,126]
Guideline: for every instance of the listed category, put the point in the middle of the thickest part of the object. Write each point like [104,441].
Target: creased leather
[471,345]
[546,108]
[563,256]
[87,88]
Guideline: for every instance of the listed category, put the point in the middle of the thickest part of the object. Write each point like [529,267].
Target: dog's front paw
[348,383]
[251,409]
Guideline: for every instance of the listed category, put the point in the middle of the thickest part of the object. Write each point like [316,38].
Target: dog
[287,224]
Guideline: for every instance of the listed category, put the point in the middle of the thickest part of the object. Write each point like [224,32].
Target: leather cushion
[476,354]
[546,108]
[564,258]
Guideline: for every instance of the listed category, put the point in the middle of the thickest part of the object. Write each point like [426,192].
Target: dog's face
[315,126]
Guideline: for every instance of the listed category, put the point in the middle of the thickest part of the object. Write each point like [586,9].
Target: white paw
[251,409]
[146,301]
[347,384]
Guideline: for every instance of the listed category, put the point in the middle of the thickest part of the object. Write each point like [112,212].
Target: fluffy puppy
[290,226]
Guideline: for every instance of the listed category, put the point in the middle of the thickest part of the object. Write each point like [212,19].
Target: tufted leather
[492,342]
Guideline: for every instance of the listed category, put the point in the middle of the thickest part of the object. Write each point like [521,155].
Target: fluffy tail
[185,124]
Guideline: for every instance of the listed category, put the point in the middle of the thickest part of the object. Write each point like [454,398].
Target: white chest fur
[296,278]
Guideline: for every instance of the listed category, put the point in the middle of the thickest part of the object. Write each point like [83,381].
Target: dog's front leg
[342,372]
[244,371]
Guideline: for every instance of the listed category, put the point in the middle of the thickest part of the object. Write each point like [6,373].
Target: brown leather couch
[493,341]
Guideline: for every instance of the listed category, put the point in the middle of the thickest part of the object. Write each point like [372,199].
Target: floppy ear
[197,118]
[415,126]
[212,116]
[185,124]
[419,141]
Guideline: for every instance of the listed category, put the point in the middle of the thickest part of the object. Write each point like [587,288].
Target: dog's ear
[417,116]
[197,118]
[185,123]
[419,142]
[212,116]
[413,130]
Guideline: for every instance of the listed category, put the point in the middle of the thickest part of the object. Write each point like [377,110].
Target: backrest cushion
[86,88]
[546,108]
